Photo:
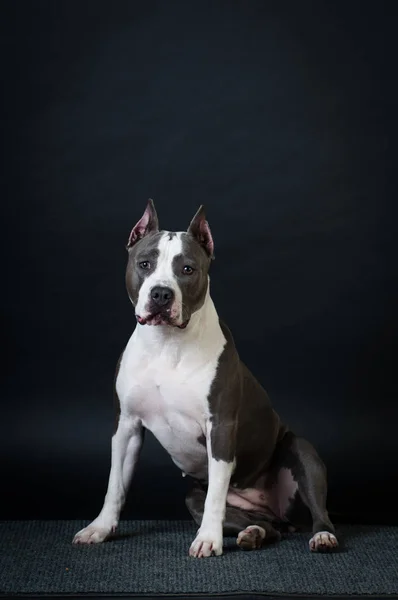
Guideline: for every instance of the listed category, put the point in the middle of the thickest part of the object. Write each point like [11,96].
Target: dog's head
[167,272]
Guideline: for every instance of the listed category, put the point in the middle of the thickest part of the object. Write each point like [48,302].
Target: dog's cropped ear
[147,224]
[200,230]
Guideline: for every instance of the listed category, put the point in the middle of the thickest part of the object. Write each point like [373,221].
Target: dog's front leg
[126,446]
[220,442]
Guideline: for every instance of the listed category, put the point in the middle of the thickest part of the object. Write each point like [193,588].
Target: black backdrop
[281,118]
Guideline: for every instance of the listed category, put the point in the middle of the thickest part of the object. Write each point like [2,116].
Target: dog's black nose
[162,296]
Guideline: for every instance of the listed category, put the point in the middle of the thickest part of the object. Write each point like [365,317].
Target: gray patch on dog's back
[244,424]
[144,250]
[224,400]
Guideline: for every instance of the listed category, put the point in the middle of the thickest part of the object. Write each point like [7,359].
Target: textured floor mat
[151,557]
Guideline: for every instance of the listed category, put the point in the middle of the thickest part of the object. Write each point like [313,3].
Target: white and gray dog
[180,376]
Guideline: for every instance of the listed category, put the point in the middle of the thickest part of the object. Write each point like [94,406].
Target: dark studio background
[281,118]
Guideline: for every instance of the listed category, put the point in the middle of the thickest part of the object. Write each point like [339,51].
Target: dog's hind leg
[300,457]
[251,529]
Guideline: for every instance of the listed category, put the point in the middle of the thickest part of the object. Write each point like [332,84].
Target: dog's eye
[187,270]
[145,264]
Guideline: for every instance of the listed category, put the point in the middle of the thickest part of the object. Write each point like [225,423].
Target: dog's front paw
[206,544]
[95,533]
[323,541]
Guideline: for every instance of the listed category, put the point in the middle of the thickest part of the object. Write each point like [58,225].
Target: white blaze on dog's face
[166,273]
[159,289]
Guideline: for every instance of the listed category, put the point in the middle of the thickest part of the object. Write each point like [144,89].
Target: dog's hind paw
[251,538]
[323,541]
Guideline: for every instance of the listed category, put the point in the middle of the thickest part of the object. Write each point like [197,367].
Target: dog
[180,377]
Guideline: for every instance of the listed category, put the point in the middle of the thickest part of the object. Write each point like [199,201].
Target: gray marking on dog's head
[194,283]
[142,247]
[191,266]
[144,251]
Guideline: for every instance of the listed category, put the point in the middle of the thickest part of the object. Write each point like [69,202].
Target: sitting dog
[180,376]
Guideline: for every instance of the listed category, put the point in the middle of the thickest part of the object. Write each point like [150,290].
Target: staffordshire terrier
[180,376]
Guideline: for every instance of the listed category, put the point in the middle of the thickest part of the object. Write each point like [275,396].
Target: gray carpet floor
[151,557]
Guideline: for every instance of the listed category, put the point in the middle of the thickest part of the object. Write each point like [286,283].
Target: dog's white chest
[169,392]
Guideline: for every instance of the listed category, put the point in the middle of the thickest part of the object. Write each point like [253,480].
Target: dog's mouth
[160,319]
